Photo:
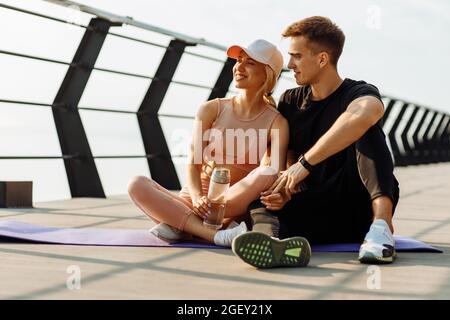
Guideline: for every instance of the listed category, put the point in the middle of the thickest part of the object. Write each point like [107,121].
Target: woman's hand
[201,207]
[288,181]
[275,201]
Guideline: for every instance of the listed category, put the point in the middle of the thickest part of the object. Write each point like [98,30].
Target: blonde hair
[267,87]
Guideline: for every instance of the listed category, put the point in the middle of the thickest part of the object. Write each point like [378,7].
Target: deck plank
[35,271]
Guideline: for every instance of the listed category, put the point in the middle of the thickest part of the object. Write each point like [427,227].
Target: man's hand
[289,179]
[274,201]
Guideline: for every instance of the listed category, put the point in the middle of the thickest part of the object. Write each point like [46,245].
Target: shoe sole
[262,251]
[170,240]
[370,258]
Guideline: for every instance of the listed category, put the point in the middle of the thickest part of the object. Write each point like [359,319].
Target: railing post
[398,156]
[434,141]
[408,157]
[82,174]
[161,166]
[388,109]
[446,142]
[224,80]
[418,156]
[426,146]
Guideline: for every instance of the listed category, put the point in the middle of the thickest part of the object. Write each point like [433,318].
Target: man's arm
[361,114]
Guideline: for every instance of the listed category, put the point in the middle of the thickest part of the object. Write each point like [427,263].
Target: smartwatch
[305,163]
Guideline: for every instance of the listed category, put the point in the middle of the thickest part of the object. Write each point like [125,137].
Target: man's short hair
[322,33]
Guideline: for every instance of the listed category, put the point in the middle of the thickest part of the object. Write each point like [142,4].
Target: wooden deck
[35,271]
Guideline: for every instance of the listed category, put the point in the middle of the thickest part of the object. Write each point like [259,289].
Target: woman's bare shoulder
[280,122]
[208,110]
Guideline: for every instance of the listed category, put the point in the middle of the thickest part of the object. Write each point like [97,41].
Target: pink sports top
[237,143]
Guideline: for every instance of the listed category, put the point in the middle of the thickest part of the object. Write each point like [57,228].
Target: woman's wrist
[195,196]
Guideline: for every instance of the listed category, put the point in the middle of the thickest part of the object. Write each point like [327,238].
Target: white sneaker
[168,233]
[224,238]
[233,224]
[378,246]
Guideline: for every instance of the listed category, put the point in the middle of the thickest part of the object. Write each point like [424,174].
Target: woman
[180,216]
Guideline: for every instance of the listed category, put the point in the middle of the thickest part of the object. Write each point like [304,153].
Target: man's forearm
[347,129]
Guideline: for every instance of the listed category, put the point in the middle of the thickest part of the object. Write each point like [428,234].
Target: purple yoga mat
[141,238]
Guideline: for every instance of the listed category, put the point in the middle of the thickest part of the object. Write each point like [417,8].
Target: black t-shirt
[309,120]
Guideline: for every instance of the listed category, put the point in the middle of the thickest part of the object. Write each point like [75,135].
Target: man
[339,185]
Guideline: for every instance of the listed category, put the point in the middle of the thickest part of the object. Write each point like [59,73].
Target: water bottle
[218,187]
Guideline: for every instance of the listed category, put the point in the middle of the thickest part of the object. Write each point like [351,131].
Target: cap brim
[234,51]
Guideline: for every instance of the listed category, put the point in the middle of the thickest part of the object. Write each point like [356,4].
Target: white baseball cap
[262,51]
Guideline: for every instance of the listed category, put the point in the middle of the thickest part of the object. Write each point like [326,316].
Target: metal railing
[78,159]
[413,138]
[417,135]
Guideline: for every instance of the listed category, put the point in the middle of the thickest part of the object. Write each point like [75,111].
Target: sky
[400,46]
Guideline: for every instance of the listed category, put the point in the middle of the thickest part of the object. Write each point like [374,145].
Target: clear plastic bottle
[218,187]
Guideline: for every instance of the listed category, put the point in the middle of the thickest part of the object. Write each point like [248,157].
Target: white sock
[225,237]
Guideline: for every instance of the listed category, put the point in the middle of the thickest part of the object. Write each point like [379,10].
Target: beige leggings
[162,205]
